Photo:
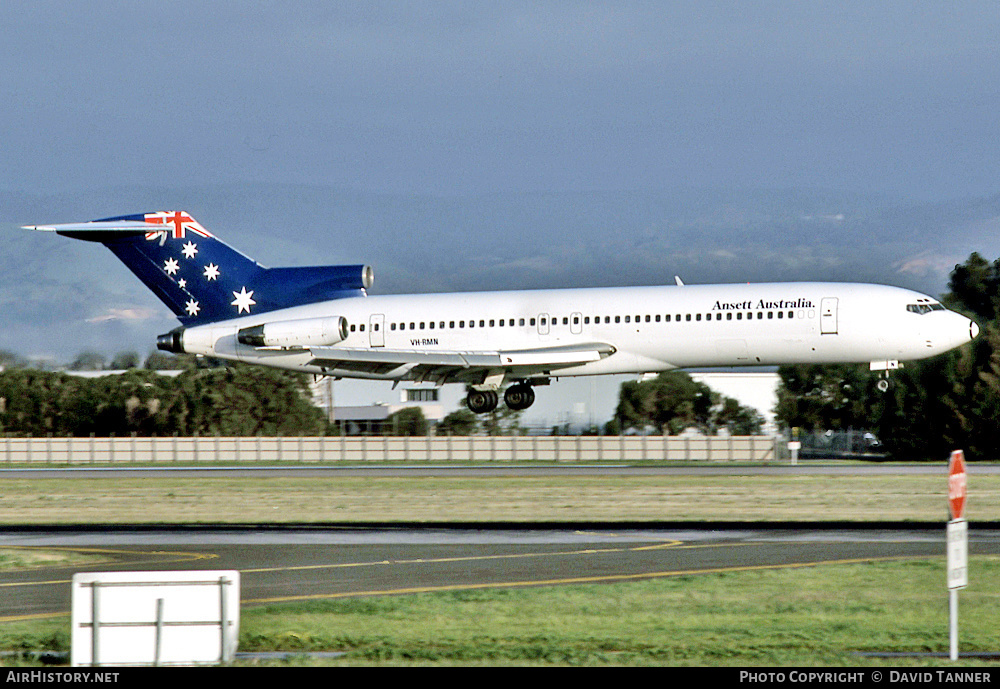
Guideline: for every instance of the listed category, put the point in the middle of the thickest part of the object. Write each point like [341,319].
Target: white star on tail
[192,307]
[211,271]
[189,250]
[171,266]
[243,300]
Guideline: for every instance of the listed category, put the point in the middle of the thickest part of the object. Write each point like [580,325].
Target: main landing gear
[517,397]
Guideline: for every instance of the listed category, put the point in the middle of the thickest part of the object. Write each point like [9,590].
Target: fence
[93,450]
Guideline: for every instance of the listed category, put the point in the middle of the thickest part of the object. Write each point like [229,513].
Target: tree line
[205,397]
[673,402]
[233,400]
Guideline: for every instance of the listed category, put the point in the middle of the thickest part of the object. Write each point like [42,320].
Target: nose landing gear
[885,367]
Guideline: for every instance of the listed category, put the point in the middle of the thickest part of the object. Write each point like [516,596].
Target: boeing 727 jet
[321,320]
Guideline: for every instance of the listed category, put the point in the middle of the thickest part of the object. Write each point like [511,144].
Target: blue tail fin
[202,279]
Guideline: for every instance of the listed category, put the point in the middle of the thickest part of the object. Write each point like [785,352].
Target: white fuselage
[649,328]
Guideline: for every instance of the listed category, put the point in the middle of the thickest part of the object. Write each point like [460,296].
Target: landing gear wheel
[882,385]
[519,397]
[482,401]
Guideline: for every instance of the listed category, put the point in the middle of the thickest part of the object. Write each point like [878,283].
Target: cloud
[126,315]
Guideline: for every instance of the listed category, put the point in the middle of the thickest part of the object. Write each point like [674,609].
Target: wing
[455,367]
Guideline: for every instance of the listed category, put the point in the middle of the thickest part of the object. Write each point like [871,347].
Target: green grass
[813,616]
[361,499]
[13,558]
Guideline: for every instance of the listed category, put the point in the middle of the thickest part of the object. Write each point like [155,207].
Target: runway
[284,565]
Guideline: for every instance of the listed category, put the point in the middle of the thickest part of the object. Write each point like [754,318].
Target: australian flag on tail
[201,278]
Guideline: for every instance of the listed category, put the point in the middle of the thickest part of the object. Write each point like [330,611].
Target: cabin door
[828,316]
[376,330]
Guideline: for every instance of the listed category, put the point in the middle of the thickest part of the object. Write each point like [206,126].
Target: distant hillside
[59,297]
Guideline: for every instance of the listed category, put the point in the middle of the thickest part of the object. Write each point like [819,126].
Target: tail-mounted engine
[306,332]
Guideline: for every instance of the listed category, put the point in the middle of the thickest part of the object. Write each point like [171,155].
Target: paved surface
[296,564]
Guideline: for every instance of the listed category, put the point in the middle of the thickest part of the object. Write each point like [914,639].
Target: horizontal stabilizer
[125,226]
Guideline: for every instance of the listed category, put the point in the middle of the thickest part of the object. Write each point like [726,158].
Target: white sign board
[958,554]
[155,618]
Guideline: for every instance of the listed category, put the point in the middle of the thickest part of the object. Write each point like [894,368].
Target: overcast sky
[455,98]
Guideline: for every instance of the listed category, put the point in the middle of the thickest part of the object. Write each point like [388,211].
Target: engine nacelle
[298,333]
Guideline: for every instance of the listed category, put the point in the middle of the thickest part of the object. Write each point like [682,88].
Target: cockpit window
[924,307]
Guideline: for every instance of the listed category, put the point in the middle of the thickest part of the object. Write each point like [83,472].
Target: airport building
[569,404]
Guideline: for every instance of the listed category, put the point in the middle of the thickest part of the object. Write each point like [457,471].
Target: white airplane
[321,320]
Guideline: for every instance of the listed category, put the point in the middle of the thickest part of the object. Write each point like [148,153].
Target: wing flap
[402,357]
[386,360]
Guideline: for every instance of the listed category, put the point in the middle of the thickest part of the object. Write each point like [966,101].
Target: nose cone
[947,331]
